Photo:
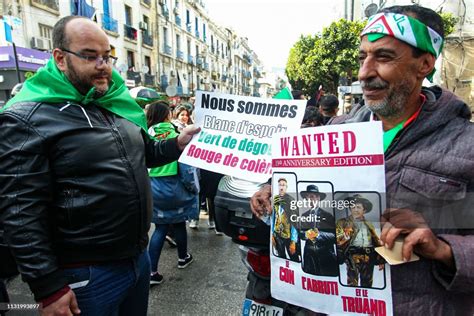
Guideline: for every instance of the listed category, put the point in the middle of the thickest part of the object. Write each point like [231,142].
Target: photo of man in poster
[285,242]
[356,241]
[317,228]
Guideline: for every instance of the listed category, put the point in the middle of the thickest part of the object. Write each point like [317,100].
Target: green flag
[284,94]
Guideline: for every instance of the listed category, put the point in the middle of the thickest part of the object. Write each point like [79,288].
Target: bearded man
[75,199]
[429,162]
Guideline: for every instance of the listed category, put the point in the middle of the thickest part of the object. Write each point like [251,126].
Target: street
[214,284]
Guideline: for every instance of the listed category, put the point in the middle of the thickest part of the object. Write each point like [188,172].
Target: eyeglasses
[99,60]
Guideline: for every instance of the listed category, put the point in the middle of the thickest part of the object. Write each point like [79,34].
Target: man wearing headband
[429,161]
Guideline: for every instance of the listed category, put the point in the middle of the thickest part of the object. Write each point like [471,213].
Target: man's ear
[60,59]
[426,65]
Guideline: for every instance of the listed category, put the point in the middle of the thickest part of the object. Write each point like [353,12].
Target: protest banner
[329,192]
[237,131]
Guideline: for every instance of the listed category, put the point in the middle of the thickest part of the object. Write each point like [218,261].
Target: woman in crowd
[182,117]
[175,189]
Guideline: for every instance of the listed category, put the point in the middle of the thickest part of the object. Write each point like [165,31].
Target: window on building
[148,64]
[146,22]
[188,17]
[188,47]
[130,60]
[165,35]
[128,15]
[204,31]
[196,23]
[178,43]
[50,4]
[45,31]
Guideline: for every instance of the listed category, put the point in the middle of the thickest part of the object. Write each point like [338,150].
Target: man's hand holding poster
[236,133]
[328,194]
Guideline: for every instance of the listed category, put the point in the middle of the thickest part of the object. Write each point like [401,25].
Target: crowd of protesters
[76,198]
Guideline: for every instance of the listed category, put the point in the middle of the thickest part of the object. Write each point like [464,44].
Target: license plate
[252,308]
[243,214]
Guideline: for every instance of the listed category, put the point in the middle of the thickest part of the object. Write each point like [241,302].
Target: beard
[83,81]
[393,104]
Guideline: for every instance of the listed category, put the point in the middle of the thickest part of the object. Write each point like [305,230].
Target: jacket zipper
[129,167]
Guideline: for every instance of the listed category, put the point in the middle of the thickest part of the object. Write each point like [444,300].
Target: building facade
[170,45]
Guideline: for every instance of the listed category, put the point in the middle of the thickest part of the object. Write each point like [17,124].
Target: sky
[272,26]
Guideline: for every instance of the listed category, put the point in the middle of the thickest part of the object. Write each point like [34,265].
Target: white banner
[237,133]
[328,189]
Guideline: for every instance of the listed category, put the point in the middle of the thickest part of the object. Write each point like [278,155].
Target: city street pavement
[214,284]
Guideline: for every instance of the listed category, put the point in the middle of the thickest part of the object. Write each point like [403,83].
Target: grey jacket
[430,168]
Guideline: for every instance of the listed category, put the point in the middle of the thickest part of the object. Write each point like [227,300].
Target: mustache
[102,74]
[375,83]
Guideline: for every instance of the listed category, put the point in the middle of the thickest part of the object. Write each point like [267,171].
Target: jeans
[158,239]
[112,289]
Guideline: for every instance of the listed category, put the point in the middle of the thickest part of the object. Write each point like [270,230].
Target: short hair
[329,103]
[282,179]
[425,15]
[311,102]
[157,112]
[297,94]
[60,40]
[312,117]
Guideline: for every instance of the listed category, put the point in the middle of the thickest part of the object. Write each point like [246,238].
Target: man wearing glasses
[75,199]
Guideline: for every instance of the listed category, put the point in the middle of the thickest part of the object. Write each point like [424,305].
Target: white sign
[237,131]
[329,191]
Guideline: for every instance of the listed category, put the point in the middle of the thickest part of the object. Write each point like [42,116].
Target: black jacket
[74,188]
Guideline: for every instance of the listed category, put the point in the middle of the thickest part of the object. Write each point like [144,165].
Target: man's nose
[367,69]
[100,63]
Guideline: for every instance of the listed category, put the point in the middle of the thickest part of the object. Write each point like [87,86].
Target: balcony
[177,20]
[132,75]
[81,8]
[197,33]
[46,4]
[130,32]
[247,90]
[190,59]
[163,82]
[109,24]
[147,2]
[167,49]
[150,80]
[247,58]
[224,78]
[199,61]
[179,55]
[257,73]
[206,66]
[247,75]
[165,11]
[188,27]
[147,39]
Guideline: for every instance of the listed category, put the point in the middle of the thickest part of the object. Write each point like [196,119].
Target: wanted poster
[328,187]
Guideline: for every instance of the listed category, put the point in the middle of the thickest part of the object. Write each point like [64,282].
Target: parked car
[235,219]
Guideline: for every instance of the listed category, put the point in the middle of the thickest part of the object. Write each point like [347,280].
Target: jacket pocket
[433,186]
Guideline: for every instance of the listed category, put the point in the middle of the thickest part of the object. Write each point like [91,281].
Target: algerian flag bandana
[406,29]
